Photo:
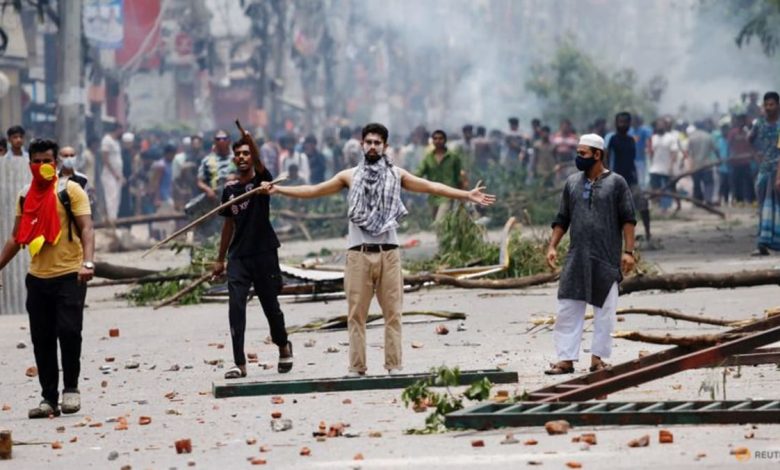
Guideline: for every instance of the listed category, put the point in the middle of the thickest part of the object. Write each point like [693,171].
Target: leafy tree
[572,85]
[763,23]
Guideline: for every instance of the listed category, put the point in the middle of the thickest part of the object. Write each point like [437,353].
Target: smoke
[469,60]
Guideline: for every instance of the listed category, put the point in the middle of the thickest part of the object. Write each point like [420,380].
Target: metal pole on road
[70,89]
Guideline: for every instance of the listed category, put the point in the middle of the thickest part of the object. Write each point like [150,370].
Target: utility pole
[70,89]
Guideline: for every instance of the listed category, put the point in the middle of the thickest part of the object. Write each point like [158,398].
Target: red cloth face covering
[40,223]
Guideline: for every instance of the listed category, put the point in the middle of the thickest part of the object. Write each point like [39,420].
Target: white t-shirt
[111,146]
[665,148]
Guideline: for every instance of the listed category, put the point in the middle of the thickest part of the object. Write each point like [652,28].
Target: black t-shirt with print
[253,233]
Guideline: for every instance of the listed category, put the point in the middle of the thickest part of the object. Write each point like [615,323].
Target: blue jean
[659,182]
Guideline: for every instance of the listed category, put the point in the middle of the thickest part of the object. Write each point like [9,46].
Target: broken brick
[375,434]
[530,442]
[478,443]
[573,464]
[250,441]
[358,456]
[276,414]
[441,330]
[589,438]
[557,427]
[346,401]
[665,437]
[305,451]
[31,372]
[56,445]
[183,446]
[336,430]
[6,407]
[113,332]
[643,441]
[258,461]
[104,383]
[109,359]
[74,439]
[277,400]
[144,420]
[265,449]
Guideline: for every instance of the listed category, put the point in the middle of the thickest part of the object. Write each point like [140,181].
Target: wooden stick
[194,284]
[205,216]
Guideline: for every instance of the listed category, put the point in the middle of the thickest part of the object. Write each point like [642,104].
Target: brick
[305,451]
[144,420]
[557,427]
[665,437]
[478,443]
[643,441]
[113,332]
[183,446]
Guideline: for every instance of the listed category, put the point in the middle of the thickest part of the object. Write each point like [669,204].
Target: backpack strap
[64,198]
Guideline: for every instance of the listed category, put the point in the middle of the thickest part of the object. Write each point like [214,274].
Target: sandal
[43,410]
[285,364]
[235,372]
[601,365]
[559,369]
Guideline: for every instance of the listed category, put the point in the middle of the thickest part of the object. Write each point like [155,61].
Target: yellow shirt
[66,256]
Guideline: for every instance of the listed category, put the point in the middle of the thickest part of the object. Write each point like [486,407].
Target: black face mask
[584,164]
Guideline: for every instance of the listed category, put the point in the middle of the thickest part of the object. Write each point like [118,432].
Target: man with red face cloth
[53,220]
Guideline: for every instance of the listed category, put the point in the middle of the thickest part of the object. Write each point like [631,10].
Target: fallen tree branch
[511,283]
[191,287]
[698,341]
[142,280]
[657,312]
[340,321]
[140,219]
[673,182]
[113,271]
[682,281]
[700,204]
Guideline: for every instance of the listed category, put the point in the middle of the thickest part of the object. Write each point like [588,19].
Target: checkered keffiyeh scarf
[375,197]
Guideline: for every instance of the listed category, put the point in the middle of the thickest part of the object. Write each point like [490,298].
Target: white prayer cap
[128,137]
[186,141]
[592,140]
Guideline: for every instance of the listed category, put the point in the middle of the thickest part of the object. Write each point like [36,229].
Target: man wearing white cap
[598,210]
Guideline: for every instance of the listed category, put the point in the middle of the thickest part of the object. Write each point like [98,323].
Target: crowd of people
[602,172]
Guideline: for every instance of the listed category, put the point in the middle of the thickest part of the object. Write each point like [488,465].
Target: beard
[372,157]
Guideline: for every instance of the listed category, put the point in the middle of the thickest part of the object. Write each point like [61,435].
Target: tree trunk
[698,341]
[682,281]
[511,283]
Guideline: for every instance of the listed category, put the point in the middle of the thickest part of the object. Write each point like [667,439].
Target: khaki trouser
[365,274]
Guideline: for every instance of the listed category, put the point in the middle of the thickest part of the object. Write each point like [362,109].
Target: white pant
[571,319]
[112,193]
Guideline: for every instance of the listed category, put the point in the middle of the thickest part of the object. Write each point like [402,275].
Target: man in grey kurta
[598,211]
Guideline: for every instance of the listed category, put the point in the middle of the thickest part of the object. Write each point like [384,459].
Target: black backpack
[64,198]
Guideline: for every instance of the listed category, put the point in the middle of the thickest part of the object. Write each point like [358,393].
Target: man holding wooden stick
[373,261]
[250,243]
